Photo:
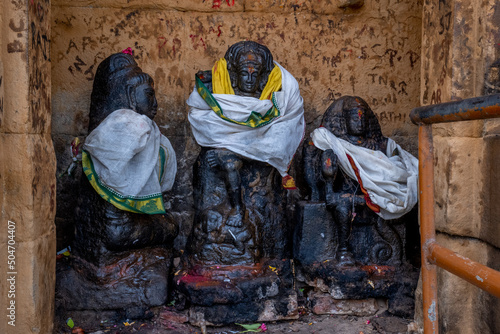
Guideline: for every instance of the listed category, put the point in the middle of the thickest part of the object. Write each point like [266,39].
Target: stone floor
[167,320]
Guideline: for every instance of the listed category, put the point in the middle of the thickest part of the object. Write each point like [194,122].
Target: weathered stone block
[459,185]
[492,127]
[26,105]
[34,282]
[490,224]
[2,98]
[15,98]
[324,303]
[2,175]
[29,181]
[472,129]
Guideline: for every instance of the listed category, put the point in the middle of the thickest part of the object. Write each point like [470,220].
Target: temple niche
[247,115]
[235,216]
[121,257]
[356,235]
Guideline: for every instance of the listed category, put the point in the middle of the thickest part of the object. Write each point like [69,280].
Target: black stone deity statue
[122,251]
[355,123]
[247,115]
[362,185]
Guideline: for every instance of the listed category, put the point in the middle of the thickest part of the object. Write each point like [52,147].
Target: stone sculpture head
[249,65]
[121,84]
[350,117]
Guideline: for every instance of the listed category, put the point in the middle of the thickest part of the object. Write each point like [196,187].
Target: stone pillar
[27,169]
[459,43]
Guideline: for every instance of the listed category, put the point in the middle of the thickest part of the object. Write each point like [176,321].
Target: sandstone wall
[27,169]
[373,52]
[459,43]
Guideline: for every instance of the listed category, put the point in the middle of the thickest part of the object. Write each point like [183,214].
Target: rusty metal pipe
[475,273]
[482,107]
[427,228]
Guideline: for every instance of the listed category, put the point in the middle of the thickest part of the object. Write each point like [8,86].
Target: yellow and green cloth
[129,163]
[267,129]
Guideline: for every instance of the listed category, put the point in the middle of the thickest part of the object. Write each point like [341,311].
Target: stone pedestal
[220,295]
[382,269]
[119,287]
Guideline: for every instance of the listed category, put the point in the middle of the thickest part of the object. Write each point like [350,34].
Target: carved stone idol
[247,115]
[355,236]
[122,251]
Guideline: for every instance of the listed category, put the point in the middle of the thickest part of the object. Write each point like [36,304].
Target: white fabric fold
[391,181]
[125,153]
[274,143]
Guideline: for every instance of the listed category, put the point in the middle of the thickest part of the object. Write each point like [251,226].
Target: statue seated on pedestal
[362,185]
[122,251]
[247,115]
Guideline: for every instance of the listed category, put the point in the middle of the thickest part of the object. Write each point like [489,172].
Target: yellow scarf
[221,83]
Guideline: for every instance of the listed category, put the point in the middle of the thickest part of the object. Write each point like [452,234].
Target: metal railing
[433,254]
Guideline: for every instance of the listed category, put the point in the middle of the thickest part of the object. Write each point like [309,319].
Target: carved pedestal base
[221,295]
[381,270]
[397,285]
[131,285]
[324,303]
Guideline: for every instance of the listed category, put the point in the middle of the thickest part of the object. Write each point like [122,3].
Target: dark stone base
[380,251]
[397,285]
[221,295]
[131,285]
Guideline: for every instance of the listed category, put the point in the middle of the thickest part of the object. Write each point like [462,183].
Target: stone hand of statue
[213,159]
[329,165]
[206,78]
[224,159]
[329,169]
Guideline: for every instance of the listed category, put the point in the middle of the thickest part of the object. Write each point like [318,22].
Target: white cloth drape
[274,143]
[391,181]
[125,154]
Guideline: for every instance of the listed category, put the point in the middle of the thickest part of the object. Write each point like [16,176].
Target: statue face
[356,121]
[145,100]
[248,74]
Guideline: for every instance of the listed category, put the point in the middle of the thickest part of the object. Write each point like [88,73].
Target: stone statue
[122,251]
[247,115]
[362,185]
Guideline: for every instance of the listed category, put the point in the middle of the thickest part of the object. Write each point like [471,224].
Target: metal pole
[482,107]
[427,228]
[475,273]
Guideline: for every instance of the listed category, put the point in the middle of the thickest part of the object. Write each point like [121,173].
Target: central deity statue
[247,115]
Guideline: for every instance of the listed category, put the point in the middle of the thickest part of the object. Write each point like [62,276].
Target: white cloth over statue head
[390,180]
[129,162]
